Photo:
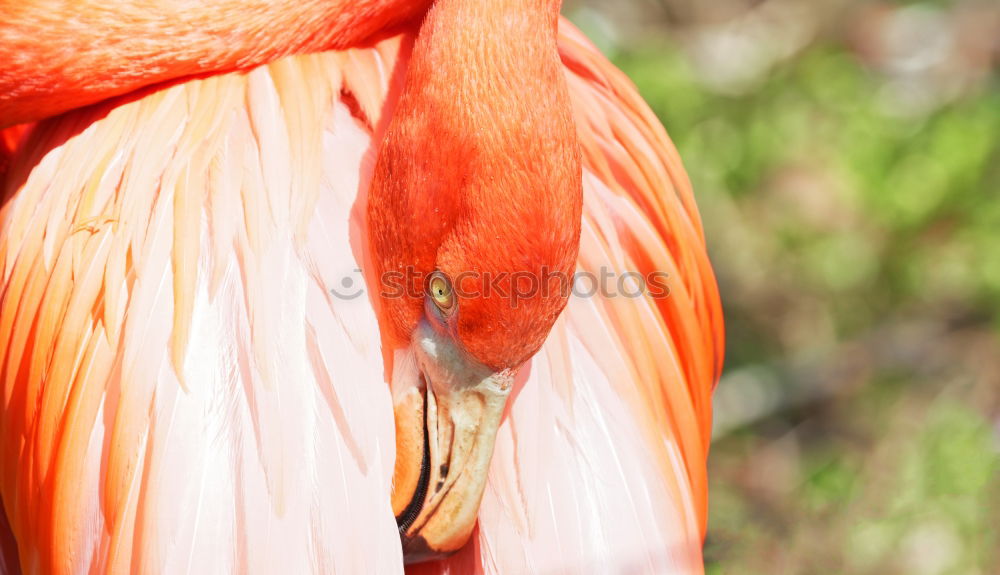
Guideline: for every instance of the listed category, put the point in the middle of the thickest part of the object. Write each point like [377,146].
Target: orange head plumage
[479,178]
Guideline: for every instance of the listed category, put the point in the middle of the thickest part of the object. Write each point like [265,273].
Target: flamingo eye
[440,291]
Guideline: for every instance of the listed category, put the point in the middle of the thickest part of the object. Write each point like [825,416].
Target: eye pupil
[440,290]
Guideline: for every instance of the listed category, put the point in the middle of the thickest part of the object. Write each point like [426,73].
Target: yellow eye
[441,292]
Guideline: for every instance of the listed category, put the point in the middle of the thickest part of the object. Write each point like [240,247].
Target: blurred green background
[846,159]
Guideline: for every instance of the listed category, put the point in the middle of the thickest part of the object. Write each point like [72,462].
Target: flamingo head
[474,219]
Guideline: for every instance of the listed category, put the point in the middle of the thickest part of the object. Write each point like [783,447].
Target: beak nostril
[442,476]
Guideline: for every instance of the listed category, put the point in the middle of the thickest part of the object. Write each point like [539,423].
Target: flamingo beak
[447,417]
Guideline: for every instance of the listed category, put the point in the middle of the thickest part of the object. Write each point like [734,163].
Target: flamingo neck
[68,55]
[480,166]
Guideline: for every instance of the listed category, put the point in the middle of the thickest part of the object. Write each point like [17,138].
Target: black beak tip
[416,550]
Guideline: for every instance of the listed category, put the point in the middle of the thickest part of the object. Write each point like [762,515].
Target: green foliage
[859,239]
[916,194]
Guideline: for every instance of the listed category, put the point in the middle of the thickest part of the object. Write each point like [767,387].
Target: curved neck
[480,165]
[71,54]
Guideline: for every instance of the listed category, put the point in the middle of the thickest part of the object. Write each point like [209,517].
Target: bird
[354,287]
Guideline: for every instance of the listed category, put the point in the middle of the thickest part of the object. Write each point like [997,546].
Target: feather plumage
[182,392]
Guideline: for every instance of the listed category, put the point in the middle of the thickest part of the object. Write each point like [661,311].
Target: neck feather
[71,54]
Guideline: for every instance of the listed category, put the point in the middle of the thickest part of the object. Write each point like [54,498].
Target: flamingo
[203,369]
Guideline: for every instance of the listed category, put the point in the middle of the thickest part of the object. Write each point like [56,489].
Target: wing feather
[656,222]
[177,378]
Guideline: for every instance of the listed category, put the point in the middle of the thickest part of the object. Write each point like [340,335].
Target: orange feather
[182,392]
